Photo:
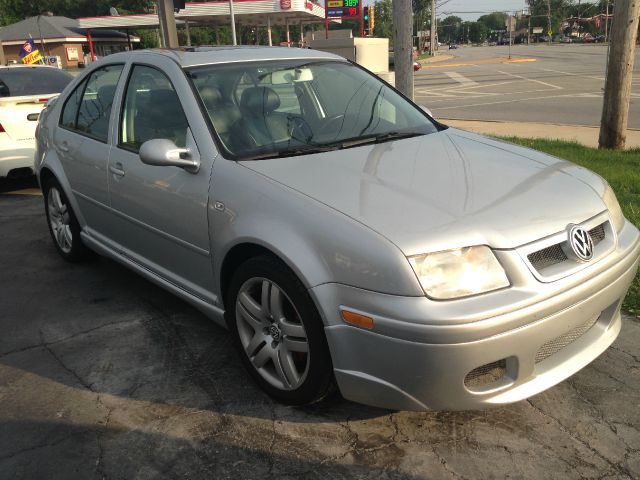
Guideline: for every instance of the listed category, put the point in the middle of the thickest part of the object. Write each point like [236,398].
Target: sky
[476,8]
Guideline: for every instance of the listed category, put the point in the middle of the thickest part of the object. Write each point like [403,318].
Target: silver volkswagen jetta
[340,233]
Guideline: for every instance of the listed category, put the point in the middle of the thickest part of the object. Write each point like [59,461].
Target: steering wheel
[331,124]
[299,129]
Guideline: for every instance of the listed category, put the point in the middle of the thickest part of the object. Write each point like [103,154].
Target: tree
[450,28]
[478,32]
[12,11]
[384,20]
[494,21]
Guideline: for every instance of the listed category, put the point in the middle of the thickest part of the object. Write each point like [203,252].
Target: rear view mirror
[291,75]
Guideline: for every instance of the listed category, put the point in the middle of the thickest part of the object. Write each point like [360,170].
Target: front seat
[223,114]
[259,125]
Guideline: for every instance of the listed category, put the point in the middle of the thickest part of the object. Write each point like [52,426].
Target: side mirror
[426,110]
[164,153]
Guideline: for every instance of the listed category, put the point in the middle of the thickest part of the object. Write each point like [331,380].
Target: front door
[160,212]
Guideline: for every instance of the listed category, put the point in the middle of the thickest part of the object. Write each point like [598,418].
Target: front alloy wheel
[271,333]
[278,331]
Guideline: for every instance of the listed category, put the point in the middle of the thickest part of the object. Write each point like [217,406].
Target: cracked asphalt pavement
[104,375]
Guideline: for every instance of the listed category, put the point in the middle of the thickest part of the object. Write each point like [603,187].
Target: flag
[29,53]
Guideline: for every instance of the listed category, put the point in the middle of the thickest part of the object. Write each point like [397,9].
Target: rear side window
[151,110]
[24,81]
[88,108]
[70,109]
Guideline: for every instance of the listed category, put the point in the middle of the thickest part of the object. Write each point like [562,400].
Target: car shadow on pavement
[65,451]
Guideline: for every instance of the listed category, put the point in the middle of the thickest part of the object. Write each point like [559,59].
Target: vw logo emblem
[274,331]
[581,243]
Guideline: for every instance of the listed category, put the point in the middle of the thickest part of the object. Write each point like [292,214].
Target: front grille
[597,234]
[558,343]
[554,254]
[547,256]
[486,374]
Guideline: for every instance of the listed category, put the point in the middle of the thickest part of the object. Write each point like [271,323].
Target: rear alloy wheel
[63,225]
[279,332]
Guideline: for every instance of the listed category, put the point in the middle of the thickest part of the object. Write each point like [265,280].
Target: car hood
[445,190]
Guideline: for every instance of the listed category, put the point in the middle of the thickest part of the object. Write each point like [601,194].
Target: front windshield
[281,108]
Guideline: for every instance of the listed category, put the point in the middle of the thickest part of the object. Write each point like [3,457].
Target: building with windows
[63,37]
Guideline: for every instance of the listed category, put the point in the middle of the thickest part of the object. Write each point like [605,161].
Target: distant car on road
[453,46]
[339,232]
[23,92]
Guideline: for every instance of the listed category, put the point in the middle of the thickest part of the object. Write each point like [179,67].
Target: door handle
[63,147]
[117,169]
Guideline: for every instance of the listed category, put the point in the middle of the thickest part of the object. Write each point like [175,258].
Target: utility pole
[617,89]
[403,46]
[549,32]
[434,30]
[167,24]
[606,24]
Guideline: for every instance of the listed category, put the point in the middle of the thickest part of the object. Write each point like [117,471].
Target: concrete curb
[585,135]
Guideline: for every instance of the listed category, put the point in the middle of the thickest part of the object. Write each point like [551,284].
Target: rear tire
[63,224]
[278,332]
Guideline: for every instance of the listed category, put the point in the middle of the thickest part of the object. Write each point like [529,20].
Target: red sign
[308,5]
[285,4]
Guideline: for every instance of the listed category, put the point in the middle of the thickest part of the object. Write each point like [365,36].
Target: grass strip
[620,168]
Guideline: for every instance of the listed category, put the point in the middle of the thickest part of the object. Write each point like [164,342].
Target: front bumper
[408,364]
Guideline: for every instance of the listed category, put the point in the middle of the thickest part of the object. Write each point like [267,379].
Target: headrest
[106,94]
[259,100]
[165,105]
[211,96]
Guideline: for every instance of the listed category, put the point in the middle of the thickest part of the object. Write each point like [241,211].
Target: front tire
[278,332]
[63,224]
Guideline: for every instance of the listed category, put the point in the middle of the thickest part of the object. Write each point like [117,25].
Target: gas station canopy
[246,12]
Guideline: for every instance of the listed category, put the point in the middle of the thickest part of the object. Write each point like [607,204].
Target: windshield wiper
[293,152]
[379,138]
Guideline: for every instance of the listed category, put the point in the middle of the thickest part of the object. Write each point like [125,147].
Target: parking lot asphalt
[104,375]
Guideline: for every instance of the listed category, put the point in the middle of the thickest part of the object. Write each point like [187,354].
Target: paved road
[104,375]
[564,84]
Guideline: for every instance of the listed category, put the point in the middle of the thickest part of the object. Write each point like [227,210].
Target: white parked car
[24,90]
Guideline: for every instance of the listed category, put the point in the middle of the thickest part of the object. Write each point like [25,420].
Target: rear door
[82,142]
[160,213]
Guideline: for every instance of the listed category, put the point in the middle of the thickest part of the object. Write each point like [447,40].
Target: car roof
[194,56]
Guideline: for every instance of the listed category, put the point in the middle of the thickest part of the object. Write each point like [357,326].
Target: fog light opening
[486,376]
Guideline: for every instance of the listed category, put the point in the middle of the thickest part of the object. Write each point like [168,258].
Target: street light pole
[433,32]
[233,23]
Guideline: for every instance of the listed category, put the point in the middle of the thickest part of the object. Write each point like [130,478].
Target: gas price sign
[343,9]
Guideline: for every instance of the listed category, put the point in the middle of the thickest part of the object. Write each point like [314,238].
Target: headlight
[610,200]
[459,273]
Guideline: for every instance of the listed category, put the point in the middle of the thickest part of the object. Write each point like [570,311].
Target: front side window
[281,108]
[151,110]
[88,109]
